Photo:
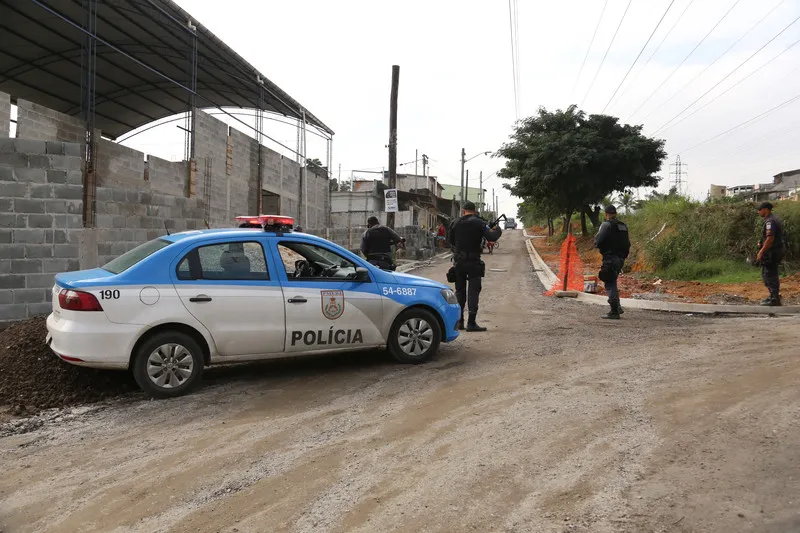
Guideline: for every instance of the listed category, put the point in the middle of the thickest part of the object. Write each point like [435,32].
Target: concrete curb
[547,278]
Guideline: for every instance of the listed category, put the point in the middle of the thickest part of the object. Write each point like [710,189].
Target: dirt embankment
[644,285]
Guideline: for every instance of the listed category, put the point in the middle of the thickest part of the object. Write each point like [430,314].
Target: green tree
[570,161]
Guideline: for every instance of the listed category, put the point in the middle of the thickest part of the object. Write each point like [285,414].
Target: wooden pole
[393,137]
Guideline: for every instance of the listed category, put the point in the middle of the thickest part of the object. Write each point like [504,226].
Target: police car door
[324,309]
[229,287]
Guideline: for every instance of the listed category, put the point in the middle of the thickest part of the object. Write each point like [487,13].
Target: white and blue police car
[176,304]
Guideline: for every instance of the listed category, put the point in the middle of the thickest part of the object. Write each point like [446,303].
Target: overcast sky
[456,85]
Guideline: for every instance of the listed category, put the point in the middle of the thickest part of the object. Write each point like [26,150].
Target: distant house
[784,185]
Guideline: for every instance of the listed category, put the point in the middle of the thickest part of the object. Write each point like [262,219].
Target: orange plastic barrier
[570,271]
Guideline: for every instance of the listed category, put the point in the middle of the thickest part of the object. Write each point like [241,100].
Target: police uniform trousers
[612,263]
[468,283]
[769,272]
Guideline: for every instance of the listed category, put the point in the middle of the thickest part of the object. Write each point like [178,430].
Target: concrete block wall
[167,177]
[40,222]
[39,123]
[5,114]
[120,166]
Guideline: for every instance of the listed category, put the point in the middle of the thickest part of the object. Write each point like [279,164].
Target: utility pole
[425,165]
[393,138]
[463,162]
[494,208]
[416,159]
[466,188]
[481,208]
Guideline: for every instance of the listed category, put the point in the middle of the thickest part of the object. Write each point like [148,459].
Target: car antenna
[207,226]
[165,227]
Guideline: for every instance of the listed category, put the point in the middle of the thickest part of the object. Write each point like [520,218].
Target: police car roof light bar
[271,223]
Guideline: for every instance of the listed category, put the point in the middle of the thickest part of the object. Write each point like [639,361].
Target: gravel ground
[554,420]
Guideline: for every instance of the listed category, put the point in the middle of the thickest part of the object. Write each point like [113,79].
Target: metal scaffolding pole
[88,90]
[260,140]
[328,215]
[305,175]
[189,144]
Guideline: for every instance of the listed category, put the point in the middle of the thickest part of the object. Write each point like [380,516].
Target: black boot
[472,325]
[460,324]
[613,314]
[773,300]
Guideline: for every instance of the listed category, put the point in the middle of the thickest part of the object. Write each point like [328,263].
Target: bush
[715,268]
[677,232]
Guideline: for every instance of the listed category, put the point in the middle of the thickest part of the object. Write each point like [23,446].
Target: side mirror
[361,274]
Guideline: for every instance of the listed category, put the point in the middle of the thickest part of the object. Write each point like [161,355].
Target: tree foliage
[570,161]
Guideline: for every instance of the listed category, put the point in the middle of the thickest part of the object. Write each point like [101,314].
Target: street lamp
[464,161]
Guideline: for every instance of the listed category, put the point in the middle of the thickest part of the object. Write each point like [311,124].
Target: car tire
[168,364]
[415,336]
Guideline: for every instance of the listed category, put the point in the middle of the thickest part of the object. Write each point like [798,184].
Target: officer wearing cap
[466,236]
[614,243]
[770,253]
[377,242]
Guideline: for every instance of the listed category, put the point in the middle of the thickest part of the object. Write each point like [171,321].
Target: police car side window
[307,261]
[228,261]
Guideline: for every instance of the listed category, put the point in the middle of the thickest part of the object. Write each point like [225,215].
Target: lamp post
[464,161]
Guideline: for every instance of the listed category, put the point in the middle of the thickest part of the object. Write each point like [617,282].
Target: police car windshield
[130,258]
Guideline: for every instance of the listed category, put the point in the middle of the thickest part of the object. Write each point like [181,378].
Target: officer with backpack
[770,253]
[614,243]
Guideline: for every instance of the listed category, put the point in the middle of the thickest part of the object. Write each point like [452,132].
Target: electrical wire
[607,50]
[583,64]
[668,124]
[668,100]
[655,51]
[639,55]
[684,60]
[746,122]
[519,65]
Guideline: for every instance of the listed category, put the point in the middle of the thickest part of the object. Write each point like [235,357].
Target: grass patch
[712,271]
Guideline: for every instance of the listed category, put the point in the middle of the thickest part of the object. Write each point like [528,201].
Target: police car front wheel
[415,336]
[168,364]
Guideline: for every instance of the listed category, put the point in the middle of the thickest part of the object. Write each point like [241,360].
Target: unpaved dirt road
[554,420]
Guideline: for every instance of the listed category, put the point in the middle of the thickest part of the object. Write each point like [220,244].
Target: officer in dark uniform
[466,235]
[377,242]
[770,253]
[614,243]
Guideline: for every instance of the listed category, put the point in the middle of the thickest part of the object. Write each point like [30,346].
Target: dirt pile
[33,378]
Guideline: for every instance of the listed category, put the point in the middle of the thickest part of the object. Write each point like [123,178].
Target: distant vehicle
[511,223]
[176,304]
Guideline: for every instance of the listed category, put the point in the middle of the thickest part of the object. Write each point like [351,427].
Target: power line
[519,66]
[638,56]
[667,124]
[607,50]
[655,51]
[718,58]
[746,122]
[583,64]
[684,60]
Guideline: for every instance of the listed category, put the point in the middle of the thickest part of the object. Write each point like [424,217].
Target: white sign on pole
[390,198]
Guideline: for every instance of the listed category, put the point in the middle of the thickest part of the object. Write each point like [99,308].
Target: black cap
[373,221]
[610,209]
[469,206]
[765,205]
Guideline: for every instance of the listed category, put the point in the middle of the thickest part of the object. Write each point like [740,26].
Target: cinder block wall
[40,222]
[138,198]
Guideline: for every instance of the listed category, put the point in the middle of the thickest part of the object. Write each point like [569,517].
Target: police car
[176,304]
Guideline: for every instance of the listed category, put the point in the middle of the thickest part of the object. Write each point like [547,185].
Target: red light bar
[265,220]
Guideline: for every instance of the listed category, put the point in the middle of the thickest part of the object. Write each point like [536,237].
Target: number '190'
[109,294]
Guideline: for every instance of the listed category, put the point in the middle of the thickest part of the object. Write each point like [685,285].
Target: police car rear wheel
[168,364]
[415,336]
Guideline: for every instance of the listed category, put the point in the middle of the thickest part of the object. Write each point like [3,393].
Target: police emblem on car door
[332,304]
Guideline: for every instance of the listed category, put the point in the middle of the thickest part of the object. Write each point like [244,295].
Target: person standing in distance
[770,253]
[377,242]
[466,235]
[614,243]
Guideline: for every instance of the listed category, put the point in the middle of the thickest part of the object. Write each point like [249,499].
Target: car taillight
[70,300]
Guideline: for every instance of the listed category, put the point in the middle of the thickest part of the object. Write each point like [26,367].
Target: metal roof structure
[152,61]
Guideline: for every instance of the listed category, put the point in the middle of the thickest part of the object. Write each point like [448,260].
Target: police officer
[614,243]
[466,235]
[376,244]
[770,253]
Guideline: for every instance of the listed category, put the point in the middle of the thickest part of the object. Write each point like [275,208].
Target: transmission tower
[679,175]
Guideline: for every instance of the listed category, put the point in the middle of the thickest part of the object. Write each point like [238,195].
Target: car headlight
[449,296]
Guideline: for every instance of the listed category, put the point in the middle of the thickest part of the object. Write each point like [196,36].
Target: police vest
[468,234]
[619,241]
[378,240]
